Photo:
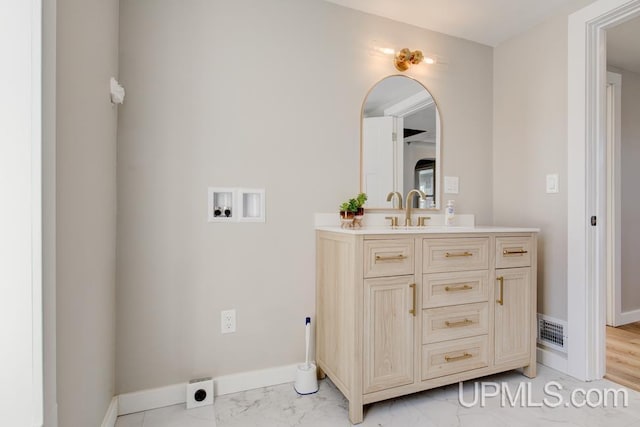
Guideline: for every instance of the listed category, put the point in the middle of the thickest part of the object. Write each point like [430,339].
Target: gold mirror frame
[439,160]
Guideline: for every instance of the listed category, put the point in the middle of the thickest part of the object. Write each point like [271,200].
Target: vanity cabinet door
[512,315]
[389,322]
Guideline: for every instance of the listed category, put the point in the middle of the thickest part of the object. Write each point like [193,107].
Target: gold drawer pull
[413,310]
[456,358]
[450,255]
[518,252]
[457,288]
[501,299]
[390,258]
[464,322]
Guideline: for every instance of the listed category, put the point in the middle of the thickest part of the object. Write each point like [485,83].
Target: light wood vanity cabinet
[401,313]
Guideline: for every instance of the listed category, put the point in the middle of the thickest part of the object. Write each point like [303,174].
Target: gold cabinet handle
[390,258]
[456,358]
[518,252]
[450,255]
[501,300]
[457,288]
[464,322]
[413,309]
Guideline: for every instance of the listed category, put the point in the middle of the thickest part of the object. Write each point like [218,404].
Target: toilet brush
[306,377]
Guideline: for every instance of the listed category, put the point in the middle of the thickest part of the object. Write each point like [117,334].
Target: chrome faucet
[396,194]
[409,201]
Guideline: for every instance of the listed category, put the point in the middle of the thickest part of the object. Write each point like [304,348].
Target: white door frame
[21,360]
[586,179]
[614,207]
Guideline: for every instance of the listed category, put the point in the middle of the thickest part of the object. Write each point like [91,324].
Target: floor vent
[552,333]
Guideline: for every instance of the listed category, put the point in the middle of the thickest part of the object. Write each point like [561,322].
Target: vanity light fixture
[404,58]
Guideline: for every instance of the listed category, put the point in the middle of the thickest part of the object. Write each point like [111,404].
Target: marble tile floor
[280,406]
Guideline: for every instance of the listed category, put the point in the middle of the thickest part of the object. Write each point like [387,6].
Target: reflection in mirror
[400,143]
[425,182]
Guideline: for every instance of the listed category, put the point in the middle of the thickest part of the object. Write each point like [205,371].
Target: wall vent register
[552,333]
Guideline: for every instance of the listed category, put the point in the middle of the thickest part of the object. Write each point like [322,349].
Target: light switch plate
[552,183]
[451,184]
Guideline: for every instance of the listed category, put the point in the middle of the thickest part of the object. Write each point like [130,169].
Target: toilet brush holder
[306,379]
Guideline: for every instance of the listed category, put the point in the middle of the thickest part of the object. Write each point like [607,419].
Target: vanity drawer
[388,257]
[462,287]
[457,321]
[451,357]
[513,252]
[441,255]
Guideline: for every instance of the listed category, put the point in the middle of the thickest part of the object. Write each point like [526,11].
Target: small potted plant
[347,210]
[347,213]
[351,211]
[360,201]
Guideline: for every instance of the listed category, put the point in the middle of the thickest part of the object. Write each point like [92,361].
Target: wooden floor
[623,355]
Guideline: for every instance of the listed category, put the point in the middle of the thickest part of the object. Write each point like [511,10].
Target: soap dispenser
[449,213]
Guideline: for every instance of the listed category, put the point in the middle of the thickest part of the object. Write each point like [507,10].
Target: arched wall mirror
[400,143]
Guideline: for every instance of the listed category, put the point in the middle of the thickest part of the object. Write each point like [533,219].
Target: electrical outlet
[228,321]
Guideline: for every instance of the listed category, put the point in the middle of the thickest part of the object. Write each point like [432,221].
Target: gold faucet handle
[422,220]
[394,220]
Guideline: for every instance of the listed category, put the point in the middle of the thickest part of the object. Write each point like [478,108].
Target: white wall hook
[117,92]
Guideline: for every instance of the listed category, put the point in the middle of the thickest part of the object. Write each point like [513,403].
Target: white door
[382,158]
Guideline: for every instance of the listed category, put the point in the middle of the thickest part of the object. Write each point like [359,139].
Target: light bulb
[387,50]
[428,60]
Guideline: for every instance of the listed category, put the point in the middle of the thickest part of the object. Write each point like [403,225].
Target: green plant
[352,205]
[349,206]
[345,207]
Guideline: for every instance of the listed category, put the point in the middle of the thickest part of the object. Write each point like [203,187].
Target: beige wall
[87,46]
[630,150]
[530,141]
[258,94]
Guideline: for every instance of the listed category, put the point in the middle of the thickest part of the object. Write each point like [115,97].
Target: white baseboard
[234,383]
[144,400]
[629,317]
[112,413]
[552,359]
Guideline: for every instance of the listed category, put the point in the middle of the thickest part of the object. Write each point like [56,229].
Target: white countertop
[430,229]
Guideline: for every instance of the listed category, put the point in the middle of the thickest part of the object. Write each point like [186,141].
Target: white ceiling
[488,22]
[623,45]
